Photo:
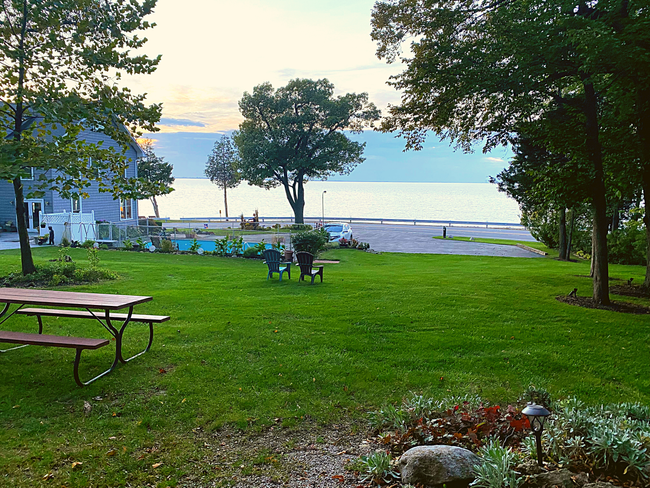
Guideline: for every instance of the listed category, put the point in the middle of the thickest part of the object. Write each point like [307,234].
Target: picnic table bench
[99,307]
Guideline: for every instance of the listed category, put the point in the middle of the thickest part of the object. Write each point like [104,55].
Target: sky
[214,50]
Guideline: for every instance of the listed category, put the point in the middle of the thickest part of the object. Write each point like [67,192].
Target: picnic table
[99,307]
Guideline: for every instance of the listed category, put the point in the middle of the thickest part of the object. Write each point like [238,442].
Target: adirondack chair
[273,260]
[307,268]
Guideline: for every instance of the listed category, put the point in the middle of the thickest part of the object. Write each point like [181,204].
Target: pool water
[185,244]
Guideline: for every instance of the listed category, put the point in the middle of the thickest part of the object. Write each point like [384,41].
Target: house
[97,206]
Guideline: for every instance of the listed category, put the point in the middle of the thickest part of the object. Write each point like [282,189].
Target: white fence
[73,226]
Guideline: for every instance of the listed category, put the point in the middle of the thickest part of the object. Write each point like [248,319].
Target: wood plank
[51,340]
[69,299]
[82,314]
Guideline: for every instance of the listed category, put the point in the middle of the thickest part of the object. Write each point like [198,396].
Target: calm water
[432,201]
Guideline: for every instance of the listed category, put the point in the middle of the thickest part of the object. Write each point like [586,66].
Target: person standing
[51,236]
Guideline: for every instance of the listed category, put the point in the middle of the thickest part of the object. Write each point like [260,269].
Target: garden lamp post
[536,416]
[322,199]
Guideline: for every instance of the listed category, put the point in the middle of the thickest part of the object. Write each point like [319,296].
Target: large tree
[155,175]
[223,166]
[60,62]
[477,69]
[295,133]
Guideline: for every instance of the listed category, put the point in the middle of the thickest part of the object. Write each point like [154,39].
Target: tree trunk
[601,277]
[572,219]
[563,240]
[616,217]
[298,210]
[25,250]
[644,135]
[156,211]
[225,200]
[592,268]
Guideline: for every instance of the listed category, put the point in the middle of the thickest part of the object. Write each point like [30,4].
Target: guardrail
[448,223]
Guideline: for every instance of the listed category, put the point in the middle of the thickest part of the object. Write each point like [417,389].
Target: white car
[338,230]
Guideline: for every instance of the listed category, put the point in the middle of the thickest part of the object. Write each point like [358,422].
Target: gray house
[101,206]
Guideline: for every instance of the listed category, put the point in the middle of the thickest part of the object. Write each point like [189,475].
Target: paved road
[418,239]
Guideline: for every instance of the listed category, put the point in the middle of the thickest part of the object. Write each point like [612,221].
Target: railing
[448,223]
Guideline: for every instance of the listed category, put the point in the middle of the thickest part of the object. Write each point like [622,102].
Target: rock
[562,478]
[529,466]
[599,484]
[435,465]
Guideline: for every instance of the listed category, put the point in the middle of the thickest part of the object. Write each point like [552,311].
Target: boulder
[529,466]
[562,478]
[435,465]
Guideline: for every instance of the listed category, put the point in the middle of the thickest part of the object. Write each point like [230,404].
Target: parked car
[338,230]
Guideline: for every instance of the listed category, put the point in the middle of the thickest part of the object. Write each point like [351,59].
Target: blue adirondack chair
[307,268]
[273,260]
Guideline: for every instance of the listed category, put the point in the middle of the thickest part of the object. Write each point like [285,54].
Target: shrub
[497,468]
[88,243]
[141,243]
[65,242]
[377,467]
[93,257]
[312,241]
[128,245]
[237,246]
[251,252]
[195,246]
[628,244]
[221,246]
[298,227]
[103,247]
[166,246]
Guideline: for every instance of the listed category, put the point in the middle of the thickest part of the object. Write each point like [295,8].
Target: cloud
[494,160]
[183,122]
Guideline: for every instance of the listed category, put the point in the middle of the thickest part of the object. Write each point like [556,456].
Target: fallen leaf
[338,478]
[87,408]
[183,400]
[157,465]
[162,370]
[124,448]
[112,438]
[16,406]
[76,464]
[314,379]
[48,476]
[112,452]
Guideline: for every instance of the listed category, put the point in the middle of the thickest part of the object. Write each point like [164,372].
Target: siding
[103,204]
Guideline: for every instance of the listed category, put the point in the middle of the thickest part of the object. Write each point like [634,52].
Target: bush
[298,227]
[237,246]
[195,246]
[166,246]
[88,243]
[251,252]
[628,245]
[128,245]
[57,273]
[221,247]
[313,241]
[65,242]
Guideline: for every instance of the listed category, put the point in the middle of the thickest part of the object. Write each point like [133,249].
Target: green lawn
[245,351]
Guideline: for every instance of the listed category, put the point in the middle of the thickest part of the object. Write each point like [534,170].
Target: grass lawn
[505,242]
[249,352]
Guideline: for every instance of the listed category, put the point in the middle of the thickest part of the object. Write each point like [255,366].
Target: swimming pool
[185,244]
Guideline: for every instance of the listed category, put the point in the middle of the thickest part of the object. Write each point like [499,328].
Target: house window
[30,172]
[126,209]
[75,204]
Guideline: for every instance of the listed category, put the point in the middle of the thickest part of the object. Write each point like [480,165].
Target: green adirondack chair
[273,259]
[307,268]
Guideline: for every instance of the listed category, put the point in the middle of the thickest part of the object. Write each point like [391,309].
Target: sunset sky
[214,50]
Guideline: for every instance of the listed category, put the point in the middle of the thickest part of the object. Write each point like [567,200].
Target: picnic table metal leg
[120,335]
[5,309]
[77,359]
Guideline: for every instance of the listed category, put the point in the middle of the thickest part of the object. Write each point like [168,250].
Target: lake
[389,200]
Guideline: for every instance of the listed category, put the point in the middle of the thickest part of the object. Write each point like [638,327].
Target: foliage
[221,246]
[497,467]
[195,246]
[58,273]
[65,242]
[93,257]
[237,246]
[166,246]
[251,252]
[295,133]
[377,467]
[141,243]
[128,245]
[543,225]
[60,66]
[155,175]
[223,166]
[628,244]
[88,243]
[312,241]
[298,227]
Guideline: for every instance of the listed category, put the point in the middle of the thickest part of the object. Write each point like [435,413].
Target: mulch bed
[621,307]
[631,291]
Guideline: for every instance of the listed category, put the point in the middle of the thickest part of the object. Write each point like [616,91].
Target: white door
[34,212]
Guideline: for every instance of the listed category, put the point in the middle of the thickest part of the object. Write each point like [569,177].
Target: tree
[59,62]
[223,166]
[478,69]
[295,133]
[156,175]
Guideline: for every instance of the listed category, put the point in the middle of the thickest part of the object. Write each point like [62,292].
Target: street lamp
[323,206]
[536,416]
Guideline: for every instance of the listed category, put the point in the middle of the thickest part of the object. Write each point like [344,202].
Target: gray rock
[529,466]
[562,478]
[435,465]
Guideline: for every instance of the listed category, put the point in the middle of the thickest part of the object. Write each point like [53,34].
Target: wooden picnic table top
[29,296]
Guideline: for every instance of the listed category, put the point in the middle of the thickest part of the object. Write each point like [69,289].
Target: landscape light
[536,416]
